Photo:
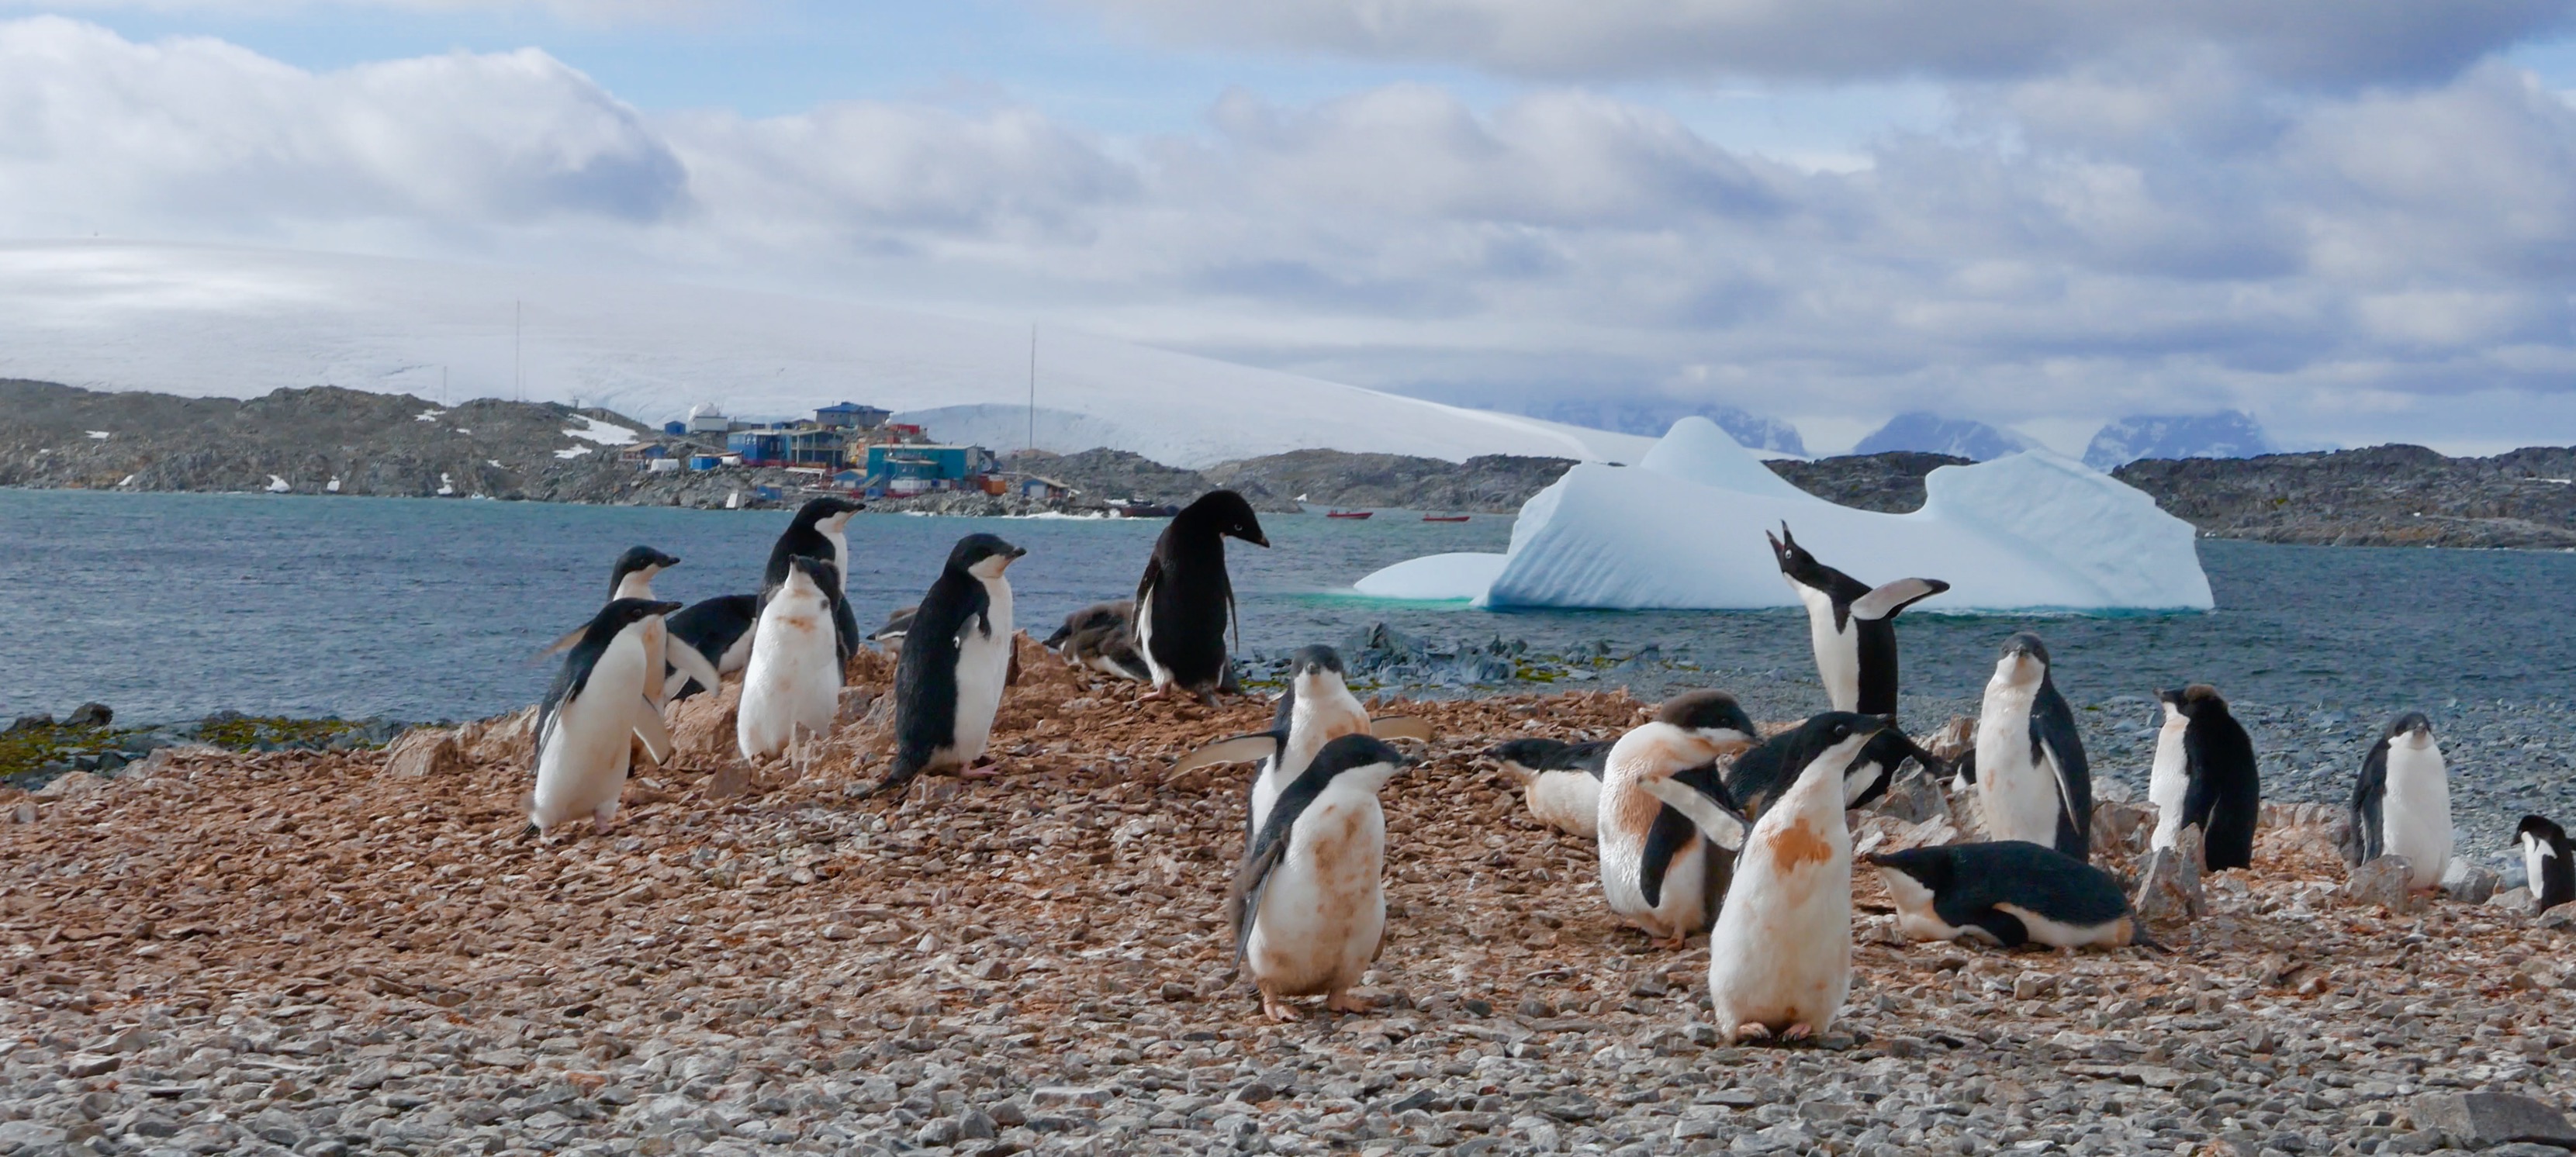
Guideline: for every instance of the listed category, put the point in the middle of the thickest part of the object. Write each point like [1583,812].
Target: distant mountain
[2226,434]
[1651,417]
[1924,432]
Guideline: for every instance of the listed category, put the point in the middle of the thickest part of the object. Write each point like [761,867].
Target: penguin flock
[1702,823]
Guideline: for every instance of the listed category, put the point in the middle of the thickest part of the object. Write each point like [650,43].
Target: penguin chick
[1657,872]
[956,660]
[793,686]
[1316,709]
[1560,781]
[2401,803]
[1308,903]
[591,715]
[2550,870]
[2009,893]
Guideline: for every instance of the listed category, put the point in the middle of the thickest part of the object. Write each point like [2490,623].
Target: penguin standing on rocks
[956,658]
[632,578]
[2223,792]
[2401,804]
[1317,708]
[1852,626]
[1560,781]
[2545,861]
[1185,601]
[2009,893]
[2032,780]
[719,631]
[820,530]
[1308,904]
[793,686]
[1779,956]
[591,715]
[1658,871]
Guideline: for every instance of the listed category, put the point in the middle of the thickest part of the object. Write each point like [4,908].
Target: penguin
[1096,617]
[957,656]
[719,630]
[1657,872]
[2545,860]
[793,686]
[1185,600]
[2223,792]
[1852,626]
[2169,773]
[1308,903]
[2010,892]
[1316,709]
[820,530]
[1561,781]
[632,578]
[1759,777]
[2032,780]
[1111,650]
[891,634]
[2401,804]
[591,715]
[1779,954]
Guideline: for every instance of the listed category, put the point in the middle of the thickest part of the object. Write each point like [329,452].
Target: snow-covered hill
[240,322]
[1931,433]
[2226,434]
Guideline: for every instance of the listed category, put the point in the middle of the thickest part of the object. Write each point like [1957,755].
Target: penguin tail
[2139,937]
[897,777]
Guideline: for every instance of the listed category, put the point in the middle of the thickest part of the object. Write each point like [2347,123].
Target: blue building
[913,469]
[851,416]
[759,447]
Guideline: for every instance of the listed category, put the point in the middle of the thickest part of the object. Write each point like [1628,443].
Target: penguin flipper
[2362,837]
[978,616]
[1400,727]
[1699,797]
[1885,601]
[648,727]
[1243,899]
[569,640]
[1256,746]
[686,664]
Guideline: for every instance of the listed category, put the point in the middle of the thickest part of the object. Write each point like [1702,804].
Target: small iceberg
[277,485]
[1682,530]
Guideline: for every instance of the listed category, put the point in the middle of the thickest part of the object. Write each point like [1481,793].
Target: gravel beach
[361,952]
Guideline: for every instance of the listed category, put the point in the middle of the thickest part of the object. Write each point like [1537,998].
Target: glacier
[1682,530]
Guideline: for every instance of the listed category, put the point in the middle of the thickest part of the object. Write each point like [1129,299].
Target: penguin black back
[1971,882]
[1758,777]
[2226,790]
[2053,735]
[925,674]
[2545,858]
[574,675]
[712,628]
[804,536]
[1185,601]
[2365,838]
[1535,754]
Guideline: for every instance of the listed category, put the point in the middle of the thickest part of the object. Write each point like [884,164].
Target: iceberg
[1682,530]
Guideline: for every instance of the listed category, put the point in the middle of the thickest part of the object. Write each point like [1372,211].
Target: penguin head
[1928,868]
[1522,758]
[1371,759]
[1834,740]
[622,613]
[985,556]
[1224,512]
[2171,700]
[2537,833]
[1798,566]
[1316,661]
[807,569]
[642,561]
[2411,730]
[827,513]
[2024,660]
[2200,701]
[1713,718]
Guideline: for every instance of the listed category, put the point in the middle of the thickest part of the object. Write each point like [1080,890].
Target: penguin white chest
[1569,801]
[1623,816]
[983,666]
[1323,910]
[2415,815]
[1780,954]
[1837,651]
[2017,795]
[1325,711]
[583,760]
[793,681]
[2169,779]
[2535,863]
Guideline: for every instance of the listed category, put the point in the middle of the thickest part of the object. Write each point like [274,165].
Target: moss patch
[245,732]
[26,749]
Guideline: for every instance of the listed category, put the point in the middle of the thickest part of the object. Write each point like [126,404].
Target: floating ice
[277,485]
[1683,530]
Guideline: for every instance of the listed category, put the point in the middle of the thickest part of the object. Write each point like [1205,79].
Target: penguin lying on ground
[1779,956]
[1102,637]
[1186,600]
[2031,776]
[1316,709]
[2401,804]
[2545,860]
[1561,781]
[2010,892]
[2222,790]
[891,634]
[793,687]
[1759,777]
[597,706]
[1308,904]
[956,658]
[718,630]
[1657,871]
[1096,617]
[820,530]
[1852,626]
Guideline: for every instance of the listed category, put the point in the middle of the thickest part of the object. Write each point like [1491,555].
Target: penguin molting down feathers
[2550,872]
[1560,780]
[1779,955]
[1185,601]
[2011,892]
[2222,790]
[1658,871]
[820,530]
[2401,804]
[599,704]
[2032,780]
[1316,709]
[956,658]
[793,687]
[1308,904]
[1102,637]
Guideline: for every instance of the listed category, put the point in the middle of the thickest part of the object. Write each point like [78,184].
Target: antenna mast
[1033,386]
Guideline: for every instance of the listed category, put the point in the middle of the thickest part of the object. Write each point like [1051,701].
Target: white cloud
[587,12]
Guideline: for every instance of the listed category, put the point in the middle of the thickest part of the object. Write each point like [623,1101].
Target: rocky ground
[338,952]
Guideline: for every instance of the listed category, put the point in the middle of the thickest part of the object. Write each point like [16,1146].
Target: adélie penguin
[2032,780]
[793,686]
[1851,624]
[2545,861]
[2222,790]
[1096,617]
[591,715]
[1657,871]
[1185,601]
[1758,778]
[1779,956]
[1308,903]
[820,530]
[719,630]
[2169,773]
[891,634]
[1316,709]
[2401,804]
[2010,892]
[1560,781]
[956,657]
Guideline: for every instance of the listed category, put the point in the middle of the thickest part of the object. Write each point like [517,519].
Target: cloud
[582,12]
[2333,42]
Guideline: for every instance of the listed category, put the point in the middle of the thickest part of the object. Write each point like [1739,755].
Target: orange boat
[1349,513]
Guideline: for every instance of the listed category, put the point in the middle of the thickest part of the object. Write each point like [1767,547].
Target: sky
[2354,219]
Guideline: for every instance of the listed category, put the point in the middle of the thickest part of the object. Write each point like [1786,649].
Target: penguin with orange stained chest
[1657,871]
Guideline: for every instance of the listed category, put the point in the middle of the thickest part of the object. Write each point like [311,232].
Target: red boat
[1444,518]
[1349,513]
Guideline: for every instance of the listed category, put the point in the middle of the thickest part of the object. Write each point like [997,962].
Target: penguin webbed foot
[1345,1002]
[1799,1032]
[1279,1009]
[1751,1030]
